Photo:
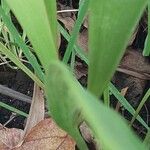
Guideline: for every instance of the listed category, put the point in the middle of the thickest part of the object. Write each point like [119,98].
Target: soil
[17,80]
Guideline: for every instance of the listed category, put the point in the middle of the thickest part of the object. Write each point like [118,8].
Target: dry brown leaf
[86,22]
[45,135]
[80,70]
[67,21]
[83,40]
[134,60]
[36,113]
[13,137]
[9,138]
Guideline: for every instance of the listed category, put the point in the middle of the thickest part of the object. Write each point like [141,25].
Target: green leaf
[126,104]
[111,24]
[13,109]
[69,103]
[38,19]
[78,50]
[83,6]
[143,101]
[112,88]
[14,33]
[146,51]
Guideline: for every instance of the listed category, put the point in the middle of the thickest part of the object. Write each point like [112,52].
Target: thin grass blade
[12,109]
[22,45]
[16,61]
[83,7]
[144,99]
[126,104]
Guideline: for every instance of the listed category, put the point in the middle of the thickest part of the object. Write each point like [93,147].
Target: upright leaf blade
[38,19]
[32,59]
[69,103]
[111,25]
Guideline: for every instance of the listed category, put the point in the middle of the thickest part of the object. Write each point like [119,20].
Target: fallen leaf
[134,60]
[82,40]
[9,137]
[45,135]
[67,21]
[36,113]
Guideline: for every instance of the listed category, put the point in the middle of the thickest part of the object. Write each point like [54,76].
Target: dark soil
[18,81]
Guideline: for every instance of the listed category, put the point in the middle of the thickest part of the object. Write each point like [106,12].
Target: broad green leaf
[69,103]
[147,139]
[146,51]
[112,88]
[38,19]
[111,24]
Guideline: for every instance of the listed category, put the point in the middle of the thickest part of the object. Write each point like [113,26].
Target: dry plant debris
[45,135]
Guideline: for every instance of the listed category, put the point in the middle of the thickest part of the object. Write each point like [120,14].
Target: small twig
[140,75]
[67,10]
[14,94]
[13,115]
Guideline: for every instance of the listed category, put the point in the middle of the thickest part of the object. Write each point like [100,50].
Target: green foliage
[111,24]
[13,109]
[38,19]
[75,105]
[82,11]
[126,104]
[22,45]
[144,99]
[14,59]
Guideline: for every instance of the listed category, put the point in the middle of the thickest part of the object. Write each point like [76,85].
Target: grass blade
[38,19]
[147,139]
[144,99]
[126,104]
[106,96]
[22,45]
[113,89]
[13,109]
[78,50]
[69,103]
[82,11]
[111,24]
[15,60]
